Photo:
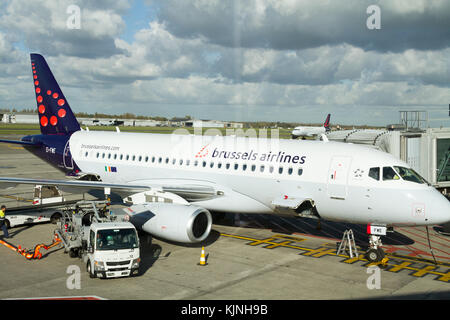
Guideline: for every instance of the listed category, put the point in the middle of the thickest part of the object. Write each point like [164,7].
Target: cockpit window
[374,173]
[389,174]
[409,174]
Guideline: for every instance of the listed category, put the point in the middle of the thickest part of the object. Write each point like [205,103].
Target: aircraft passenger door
[338,177]
[67,157]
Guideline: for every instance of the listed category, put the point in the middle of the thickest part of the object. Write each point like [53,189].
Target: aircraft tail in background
[326,124]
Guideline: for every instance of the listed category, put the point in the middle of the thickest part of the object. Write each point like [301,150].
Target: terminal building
[426,150]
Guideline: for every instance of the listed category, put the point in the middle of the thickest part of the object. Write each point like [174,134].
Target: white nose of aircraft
[438,208]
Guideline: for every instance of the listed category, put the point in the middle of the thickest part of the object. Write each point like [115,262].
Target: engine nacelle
[174,222]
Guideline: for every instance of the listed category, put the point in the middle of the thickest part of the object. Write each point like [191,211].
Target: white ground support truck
[107,243]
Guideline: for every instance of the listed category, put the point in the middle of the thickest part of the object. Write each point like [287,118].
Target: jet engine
[174,222]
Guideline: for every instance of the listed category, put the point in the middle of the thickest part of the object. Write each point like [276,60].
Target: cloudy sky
[241,60]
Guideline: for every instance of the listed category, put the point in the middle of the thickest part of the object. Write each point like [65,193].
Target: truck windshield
[409,174]
[116,239]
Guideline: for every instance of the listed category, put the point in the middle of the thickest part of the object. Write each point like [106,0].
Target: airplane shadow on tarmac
[290,225]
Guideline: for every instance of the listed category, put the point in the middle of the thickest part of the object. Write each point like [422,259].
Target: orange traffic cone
[202,258]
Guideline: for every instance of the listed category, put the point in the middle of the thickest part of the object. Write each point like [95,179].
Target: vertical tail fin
[326,124]
[55,115]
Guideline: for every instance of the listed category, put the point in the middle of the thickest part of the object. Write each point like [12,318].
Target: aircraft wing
[289,202]
[24,143]
[81,186]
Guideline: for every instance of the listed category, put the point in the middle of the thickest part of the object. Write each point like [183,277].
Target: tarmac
[248,257]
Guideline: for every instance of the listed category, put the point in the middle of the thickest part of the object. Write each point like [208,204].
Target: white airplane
[311,131]
[172,181]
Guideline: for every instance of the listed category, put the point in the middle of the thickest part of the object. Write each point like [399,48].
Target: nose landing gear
[375,253]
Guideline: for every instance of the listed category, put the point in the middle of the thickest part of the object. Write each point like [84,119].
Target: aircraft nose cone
[439,208]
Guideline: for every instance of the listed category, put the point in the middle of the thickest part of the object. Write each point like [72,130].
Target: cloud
[42,25]
[248,60]
[296,25]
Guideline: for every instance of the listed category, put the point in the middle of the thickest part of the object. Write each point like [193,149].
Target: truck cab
[112,250]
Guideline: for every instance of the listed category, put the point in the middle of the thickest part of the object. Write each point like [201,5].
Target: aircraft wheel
[375,255]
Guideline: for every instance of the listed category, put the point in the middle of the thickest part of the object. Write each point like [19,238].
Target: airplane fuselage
[245,175]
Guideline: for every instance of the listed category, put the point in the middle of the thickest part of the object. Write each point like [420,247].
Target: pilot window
[389,174]
[374,173]
[409,174]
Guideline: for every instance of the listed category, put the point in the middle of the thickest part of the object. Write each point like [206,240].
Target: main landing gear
[375,253]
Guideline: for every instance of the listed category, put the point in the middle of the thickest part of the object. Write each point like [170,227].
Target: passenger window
[188,162]
[280,170]
[389,174]
[227,166]
[134,157]
[253,167]
[236,166]
[374,173]
[109,155]
[181,162]
[196,163]
[128,157]
[174,161]
[146,159]
[261,168]
[167,160]
[140,158]
[219,165]
[204,164]
[121,156]
[300,171]
[290,171]
[211,165]
[244,167]
[271,169]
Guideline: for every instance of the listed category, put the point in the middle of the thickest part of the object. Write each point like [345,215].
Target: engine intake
[174,222]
